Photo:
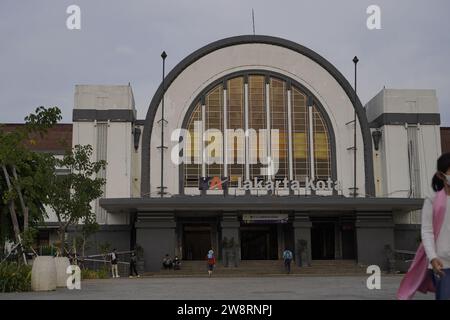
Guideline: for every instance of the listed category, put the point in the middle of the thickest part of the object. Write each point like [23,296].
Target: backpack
[287,255]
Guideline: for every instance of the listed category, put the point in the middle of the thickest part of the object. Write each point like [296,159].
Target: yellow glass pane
[320,146]
[300,145]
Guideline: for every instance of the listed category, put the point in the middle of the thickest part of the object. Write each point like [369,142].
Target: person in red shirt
[211,262]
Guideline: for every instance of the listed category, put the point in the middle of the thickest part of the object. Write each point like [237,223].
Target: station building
[291,104]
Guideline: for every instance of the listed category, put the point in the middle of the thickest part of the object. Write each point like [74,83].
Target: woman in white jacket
[438,249]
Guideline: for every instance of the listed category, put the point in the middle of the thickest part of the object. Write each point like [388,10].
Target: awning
[262,203]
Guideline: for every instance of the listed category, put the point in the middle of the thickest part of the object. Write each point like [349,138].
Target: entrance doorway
[259,242]
[323,240]
[348,241]
[196,242]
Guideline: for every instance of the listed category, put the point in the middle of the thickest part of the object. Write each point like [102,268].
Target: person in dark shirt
[114,261]
[133,263]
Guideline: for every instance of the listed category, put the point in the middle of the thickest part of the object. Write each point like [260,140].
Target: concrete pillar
[280,240]
[302,231]
[230,230]
[337,241]
[156,235]
[374,231]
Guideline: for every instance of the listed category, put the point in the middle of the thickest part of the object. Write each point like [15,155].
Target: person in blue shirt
[287,257]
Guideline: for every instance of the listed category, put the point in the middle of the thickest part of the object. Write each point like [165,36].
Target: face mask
[447,178]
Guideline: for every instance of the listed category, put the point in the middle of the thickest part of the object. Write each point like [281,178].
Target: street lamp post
[162,122]
[355,61]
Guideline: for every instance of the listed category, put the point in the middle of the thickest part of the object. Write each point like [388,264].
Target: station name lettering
[295,185]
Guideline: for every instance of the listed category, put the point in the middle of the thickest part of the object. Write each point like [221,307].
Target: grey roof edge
[408,118]
[295,203]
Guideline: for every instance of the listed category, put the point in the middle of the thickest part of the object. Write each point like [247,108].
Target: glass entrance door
[323,240]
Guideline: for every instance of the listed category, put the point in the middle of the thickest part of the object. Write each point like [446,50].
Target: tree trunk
[26,219]
[22,202]
[12,208]
[61,234]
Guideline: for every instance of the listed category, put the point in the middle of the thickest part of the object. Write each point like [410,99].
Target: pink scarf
[418,278]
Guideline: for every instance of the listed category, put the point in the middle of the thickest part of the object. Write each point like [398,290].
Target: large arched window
[296,131]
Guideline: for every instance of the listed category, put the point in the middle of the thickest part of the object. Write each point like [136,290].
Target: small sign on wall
[265,218]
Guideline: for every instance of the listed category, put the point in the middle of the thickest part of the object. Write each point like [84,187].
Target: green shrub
[15,277]
[94,274]
[103,273]
[47,250]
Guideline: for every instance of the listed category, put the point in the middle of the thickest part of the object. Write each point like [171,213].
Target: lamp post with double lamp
[162,122]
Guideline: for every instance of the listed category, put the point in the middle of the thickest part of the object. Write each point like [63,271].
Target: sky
[120,42]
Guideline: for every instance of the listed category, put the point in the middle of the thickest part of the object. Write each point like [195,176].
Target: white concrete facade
[393,175]
[392,158]
[118,141]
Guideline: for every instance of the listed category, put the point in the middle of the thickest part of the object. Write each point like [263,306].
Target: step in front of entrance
[269,267]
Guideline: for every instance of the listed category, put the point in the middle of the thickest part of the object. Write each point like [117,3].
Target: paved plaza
[227,288]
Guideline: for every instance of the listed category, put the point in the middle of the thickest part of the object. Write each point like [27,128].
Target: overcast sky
[121,41]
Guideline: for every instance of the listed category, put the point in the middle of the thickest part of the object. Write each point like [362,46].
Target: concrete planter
[43,274]
[61,264]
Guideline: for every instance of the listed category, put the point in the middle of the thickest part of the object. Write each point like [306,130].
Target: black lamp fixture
[376,136]
[136,135]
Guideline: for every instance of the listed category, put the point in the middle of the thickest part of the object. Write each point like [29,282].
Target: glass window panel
[278,119]
[322,150]
[300,128]
[235,108]
[257,117]
[192,172]
[214,120]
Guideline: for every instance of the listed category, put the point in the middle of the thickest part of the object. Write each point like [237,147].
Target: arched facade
[218,60]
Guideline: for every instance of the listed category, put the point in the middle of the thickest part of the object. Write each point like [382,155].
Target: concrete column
[302,231]
[280,238]
[337,241]
[230,230]
[156,235]
[374,231]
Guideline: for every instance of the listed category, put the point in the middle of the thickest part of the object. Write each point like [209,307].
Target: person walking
[211,262]
[114,261]
[430,269]
[287,257]
[133,263]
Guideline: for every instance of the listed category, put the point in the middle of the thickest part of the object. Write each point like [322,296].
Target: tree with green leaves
[71,195]
[23,174]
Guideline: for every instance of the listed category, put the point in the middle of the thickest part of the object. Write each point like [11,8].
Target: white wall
[391,162]
[119,170]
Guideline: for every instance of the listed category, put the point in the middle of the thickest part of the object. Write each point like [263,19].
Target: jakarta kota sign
[221,183]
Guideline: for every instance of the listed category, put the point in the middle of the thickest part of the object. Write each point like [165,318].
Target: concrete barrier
[61,264]
[43,274]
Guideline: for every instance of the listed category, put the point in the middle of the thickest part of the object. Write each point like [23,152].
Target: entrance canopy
[262,203]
